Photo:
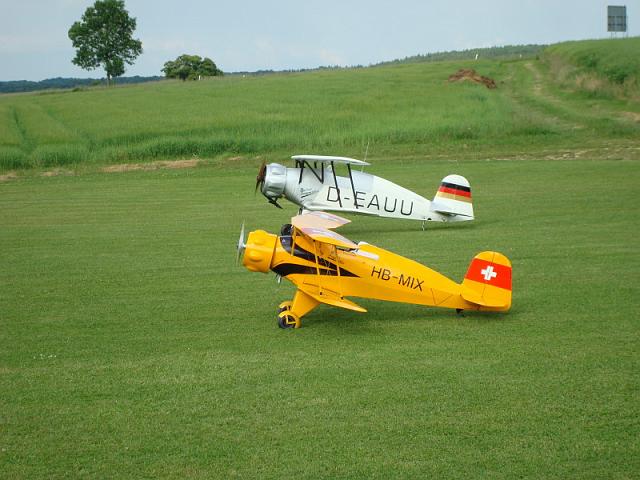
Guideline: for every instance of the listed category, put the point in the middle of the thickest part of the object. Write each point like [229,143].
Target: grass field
[134,347]
[599,66]
[398,110]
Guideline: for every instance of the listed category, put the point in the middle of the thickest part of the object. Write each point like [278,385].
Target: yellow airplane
[327,267]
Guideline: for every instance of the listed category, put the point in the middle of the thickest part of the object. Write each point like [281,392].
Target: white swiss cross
[488,273]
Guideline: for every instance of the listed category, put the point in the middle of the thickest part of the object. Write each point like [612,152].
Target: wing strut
[319,272]
[353,188]
[314,169]
[315,255]
[335,180]
[335,251]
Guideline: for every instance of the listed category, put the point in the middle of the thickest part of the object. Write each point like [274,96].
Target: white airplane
[314,186]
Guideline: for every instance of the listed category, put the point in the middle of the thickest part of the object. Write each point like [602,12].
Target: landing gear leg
[290,313]
[460,312]
[284,306]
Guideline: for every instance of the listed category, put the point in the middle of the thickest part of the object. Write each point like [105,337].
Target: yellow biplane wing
[317,227]
[327,236]
[330,297]
[318,220]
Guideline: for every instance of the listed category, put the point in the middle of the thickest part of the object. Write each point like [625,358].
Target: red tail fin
[488,281]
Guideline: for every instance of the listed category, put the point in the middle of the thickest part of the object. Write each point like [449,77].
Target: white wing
[329,159]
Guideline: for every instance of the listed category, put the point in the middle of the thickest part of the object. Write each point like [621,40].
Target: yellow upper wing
[327,236]
[318,220]
[317,225]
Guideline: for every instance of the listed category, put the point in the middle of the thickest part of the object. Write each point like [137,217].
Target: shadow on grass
[403,315]
[401,227]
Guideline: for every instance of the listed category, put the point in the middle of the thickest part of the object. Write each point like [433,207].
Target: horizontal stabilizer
[474,296]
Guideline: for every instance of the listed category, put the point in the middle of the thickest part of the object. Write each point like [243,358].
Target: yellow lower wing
[331,298]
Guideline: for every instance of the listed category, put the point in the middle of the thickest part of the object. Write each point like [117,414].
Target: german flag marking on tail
[454,192]
[489,273]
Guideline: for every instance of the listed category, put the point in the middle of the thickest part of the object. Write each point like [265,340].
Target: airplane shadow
[348,322]
[405,227]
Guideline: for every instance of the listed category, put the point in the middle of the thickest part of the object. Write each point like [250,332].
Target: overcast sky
[283,34]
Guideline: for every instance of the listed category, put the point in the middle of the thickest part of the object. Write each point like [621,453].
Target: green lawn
[133,347]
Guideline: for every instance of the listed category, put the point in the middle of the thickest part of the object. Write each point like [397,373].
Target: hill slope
[598,66]
[399,110]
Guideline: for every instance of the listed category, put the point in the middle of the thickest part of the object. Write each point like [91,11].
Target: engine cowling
[274,182]
[259,251]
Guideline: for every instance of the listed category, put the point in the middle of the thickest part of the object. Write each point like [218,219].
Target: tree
[104,37]
[191,67]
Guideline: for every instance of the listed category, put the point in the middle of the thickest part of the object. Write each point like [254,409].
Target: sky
[249,35]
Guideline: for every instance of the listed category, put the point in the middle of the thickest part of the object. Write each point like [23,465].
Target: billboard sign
[616,19]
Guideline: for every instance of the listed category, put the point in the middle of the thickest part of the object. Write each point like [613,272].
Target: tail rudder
[488,282]
[454,198]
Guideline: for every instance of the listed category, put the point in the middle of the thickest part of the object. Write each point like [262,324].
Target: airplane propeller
[262,174]
[241,244]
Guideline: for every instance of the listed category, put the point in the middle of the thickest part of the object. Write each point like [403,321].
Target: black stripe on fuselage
[455,187]
[285,269]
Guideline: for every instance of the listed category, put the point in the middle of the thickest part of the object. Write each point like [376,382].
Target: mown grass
[133,347]
[395,109]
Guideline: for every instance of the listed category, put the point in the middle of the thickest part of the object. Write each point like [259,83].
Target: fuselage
[365,272]
[369,194]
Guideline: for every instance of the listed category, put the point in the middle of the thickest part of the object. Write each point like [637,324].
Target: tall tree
[104,37]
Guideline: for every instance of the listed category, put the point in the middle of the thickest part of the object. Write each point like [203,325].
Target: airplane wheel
[287,319]
[284,306]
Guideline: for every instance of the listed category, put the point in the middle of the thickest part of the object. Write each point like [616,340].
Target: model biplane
[313,185]
[328,268]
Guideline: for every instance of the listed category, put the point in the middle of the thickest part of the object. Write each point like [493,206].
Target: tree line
[19,86]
